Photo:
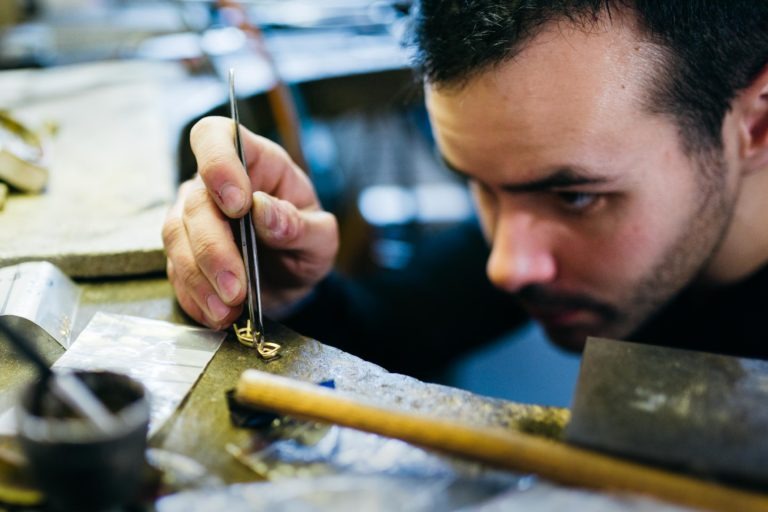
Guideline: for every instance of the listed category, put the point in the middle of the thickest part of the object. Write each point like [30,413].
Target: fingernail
[269,215]
[229,285]
[279,227]
[217,309]
[232,198]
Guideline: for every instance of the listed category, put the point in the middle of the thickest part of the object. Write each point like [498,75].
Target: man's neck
[744,249]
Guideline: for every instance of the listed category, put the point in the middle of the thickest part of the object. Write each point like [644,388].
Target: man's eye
[577,201]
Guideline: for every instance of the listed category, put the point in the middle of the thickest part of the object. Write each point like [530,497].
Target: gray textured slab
[112,171]
[702,412]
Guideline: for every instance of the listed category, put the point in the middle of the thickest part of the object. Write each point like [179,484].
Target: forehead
[568,88]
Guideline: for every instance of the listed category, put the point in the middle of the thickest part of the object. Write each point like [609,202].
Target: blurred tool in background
[279,96]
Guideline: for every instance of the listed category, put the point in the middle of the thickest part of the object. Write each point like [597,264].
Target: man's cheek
[613,261]
[633,251]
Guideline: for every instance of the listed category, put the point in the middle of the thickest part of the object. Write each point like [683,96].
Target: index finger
[269,168]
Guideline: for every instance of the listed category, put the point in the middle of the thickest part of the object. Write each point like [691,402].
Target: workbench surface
[202,431]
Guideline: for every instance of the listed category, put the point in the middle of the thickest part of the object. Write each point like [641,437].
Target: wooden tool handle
[506,449]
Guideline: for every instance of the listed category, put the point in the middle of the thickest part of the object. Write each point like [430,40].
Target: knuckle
[172,231]
[265,151]
[214,165]
[187,186]
[295,226]
[170,271]
[331,227]
[279,150]
[192,282]
[203,127]
[207,250]
[191,308]
[189,278]
[190,288]
[197,201]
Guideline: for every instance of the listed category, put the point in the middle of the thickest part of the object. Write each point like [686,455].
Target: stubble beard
[686,258]
[678,266]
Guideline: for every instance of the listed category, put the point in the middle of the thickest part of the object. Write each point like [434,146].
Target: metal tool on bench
[697,412]
[252,334]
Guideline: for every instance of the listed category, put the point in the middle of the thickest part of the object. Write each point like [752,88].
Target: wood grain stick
[502,448]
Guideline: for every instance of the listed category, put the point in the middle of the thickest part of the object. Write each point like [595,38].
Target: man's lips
[564,317]
[564,310]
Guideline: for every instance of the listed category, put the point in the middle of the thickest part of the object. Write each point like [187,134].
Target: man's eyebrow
[564,177]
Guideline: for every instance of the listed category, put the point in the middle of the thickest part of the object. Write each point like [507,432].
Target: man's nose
[521,254]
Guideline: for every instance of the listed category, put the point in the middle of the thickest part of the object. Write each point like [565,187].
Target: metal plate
[705,413]
[38,296]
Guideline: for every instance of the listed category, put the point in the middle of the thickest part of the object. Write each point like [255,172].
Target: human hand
[298,241]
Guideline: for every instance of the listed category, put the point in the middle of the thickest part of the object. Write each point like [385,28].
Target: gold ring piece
[254,339]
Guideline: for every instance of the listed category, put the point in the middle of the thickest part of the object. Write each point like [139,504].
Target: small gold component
[245,334]
[250,338]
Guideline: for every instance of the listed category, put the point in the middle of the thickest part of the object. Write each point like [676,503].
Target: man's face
[595,214]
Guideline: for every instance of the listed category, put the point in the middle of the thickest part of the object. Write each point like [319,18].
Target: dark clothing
[727,319]
[417,320]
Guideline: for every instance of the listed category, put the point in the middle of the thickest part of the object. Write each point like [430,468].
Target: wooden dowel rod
[505,449]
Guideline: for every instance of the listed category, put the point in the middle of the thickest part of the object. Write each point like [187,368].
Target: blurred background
[328,79]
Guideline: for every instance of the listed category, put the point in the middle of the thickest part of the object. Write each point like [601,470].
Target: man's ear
[752,107]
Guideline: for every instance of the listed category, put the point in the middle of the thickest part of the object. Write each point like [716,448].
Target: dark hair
[711,49]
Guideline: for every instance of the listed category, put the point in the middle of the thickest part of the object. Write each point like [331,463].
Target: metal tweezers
[252,334]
